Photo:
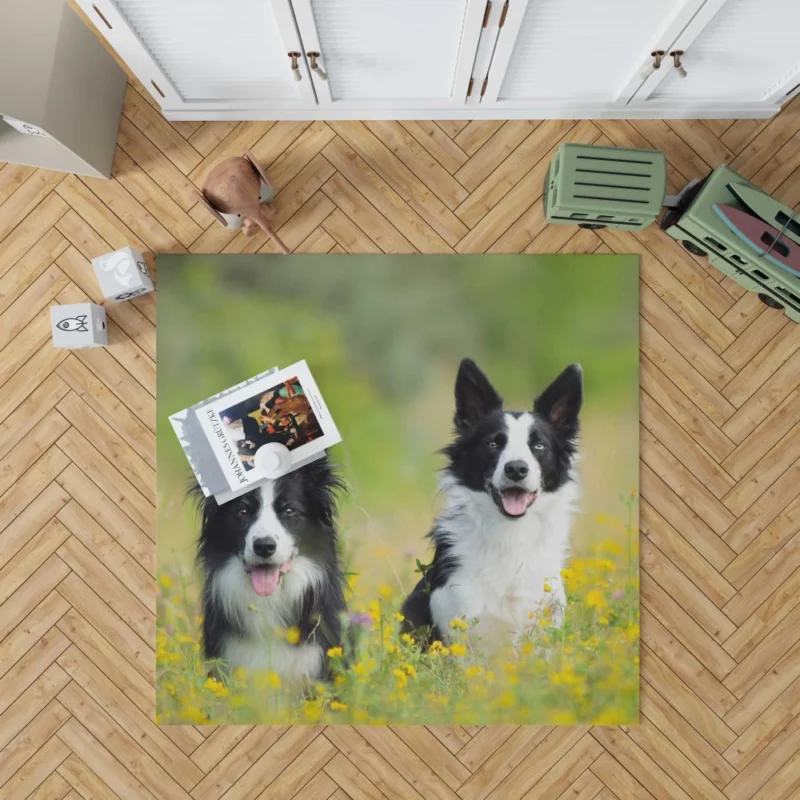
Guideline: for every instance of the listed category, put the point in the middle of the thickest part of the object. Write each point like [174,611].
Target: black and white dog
[510,488]
[271,563]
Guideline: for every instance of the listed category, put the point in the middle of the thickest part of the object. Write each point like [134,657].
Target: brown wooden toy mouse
[233,188]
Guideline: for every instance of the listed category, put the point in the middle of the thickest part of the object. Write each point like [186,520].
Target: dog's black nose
[516,470]
[264,547]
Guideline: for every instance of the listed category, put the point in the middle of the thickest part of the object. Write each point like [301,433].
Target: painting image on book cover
[284,408]
[280,414]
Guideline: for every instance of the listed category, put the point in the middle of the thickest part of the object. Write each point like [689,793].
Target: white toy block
[79,325]
[122,274]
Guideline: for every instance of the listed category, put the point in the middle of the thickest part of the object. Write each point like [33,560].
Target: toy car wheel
[693,248]
[769,301]
[592,226]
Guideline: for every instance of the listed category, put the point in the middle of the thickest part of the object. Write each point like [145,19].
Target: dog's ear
[561,401]
[475,395]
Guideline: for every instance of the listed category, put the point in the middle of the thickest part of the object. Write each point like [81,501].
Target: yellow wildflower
[594,599]
[166,581]
[334,652]
[438,699]
[548,587]
[337,706]
[293,635]
[385,591]
[273,680]
[459,624]
[410,671]
[390,648]
[407,638]
[402,677]
[312,710]
[437,648]
[473,672]
[506,700]
[398,616]
[458,649]
[215,687]
[194,715]
[182,637]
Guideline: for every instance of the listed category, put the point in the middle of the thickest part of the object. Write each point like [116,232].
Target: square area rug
[466,554]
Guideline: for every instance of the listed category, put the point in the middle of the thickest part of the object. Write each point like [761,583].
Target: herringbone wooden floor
[720,377]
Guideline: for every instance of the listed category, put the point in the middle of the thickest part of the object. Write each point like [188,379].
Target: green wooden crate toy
[746,234]
[605,187]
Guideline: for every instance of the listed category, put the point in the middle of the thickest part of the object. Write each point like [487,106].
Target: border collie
[271,563]
[509,488]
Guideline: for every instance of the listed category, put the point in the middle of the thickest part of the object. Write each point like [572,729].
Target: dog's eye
[493,445]
[288,511]
[242,512]
[540,446]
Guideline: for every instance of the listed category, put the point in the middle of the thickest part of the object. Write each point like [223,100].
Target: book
[279,409]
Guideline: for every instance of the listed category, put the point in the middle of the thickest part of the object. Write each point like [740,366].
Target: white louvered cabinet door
[561,53]
[747,51]
[390,54]
[208,54]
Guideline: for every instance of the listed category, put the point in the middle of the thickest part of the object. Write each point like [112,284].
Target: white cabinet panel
[206,52]
[390,51]
[749,51]
[430,59]
[581,50]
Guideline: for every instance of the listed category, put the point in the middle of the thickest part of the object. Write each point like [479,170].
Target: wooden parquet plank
[33,717]
[12,176]
[438,144]
[720,510]
[118,597]
[125,641]
[29,232]
[682,735]
[159,131]
[691,671]
[419,162]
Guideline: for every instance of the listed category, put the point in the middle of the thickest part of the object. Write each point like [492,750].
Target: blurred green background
[383,337]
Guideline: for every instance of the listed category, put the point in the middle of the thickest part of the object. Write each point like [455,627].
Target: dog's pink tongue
[515,502]
[265,579]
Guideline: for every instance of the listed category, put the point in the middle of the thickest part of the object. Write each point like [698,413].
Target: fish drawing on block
[77,324]
[761,237]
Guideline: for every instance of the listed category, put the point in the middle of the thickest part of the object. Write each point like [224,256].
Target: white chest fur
[264,620]
[504,565]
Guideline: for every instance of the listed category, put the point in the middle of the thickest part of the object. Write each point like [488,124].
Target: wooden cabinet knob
[676,59]
[312,57]
[657,55]
[295,67]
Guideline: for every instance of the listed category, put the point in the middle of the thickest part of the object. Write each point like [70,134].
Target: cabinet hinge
[483,88]
[469,88]
[487,12]
[503,15]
